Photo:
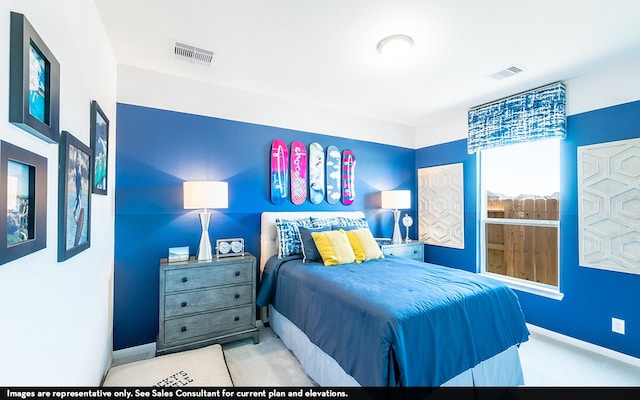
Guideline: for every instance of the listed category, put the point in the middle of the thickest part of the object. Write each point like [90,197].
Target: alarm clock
[229,247]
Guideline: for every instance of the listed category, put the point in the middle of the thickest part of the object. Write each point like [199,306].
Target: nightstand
[412,250]
[206,302]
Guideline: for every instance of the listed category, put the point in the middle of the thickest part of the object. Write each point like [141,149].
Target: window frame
[524,285]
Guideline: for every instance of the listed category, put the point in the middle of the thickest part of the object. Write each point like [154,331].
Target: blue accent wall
[591,296]
[156,150]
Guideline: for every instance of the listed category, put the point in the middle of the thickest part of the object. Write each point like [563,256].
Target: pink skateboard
[279,172]
[348,177]
[298,173]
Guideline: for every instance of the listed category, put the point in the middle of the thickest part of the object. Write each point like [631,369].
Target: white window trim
[523,285]
[526,286]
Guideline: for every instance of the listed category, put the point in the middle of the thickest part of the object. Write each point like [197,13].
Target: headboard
[269,234]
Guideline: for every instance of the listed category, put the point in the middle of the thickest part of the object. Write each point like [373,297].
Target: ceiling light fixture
[395,46]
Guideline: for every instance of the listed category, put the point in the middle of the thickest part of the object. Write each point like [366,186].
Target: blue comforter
[396,321]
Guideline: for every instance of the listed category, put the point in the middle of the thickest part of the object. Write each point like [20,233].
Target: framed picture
[74,196]
[34,82]
[23,193]
[100,146]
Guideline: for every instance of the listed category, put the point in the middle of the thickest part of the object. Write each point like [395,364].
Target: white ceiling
[323,52]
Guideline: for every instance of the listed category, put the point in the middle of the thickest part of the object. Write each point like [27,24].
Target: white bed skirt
[503,369]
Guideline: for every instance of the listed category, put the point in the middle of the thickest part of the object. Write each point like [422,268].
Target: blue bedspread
[396,321]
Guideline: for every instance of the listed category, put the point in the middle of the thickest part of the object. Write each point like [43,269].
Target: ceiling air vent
[192,53]
[505,73]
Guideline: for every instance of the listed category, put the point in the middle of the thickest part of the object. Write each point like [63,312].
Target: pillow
[288,237]
[339,221]
[345,228]
[364,245]
[309,249]
[334,247]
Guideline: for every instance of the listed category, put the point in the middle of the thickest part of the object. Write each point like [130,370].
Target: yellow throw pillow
[364,245]
[334,247]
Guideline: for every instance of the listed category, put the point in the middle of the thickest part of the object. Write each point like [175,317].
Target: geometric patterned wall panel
[441,205]
[609,205]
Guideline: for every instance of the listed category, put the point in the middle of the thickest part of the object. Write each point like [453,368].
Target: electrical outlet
[617,325]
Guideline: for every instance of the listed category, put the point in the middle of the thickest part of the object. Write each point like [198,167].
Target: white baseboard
[603,351]
[131,354]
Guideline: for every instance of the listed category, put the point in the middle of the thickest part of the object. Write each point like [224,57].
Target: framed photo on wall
[34,82]
[23,193]
[100,147]
[74,196]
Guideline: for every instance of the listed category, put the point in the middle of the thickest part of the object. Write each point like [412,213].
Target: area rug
[201,367]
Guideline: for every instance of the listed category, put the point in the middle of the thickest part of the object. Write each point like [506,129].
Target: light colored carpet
[549,362]
[268,363]
[545,362]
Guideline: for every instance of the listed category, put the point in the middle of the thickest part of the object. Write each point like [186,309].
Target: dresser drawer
[415,251]
[190,327]
[206,302]
[182,303]
[203,277]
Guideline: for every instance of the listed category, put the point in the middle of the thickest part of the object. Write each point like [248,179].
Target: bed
[389,321]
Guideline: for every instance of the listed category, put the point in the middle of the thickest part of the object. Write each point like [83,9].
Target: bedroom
[106,296]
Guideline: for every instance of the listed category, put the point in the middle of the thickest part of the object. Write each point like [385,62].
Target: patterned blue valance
[536,114]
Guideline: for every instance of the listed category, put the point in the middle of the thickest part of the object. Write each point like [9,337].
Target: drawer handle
[237,296]
[237,273]
[183,329]
[236,318]
[184,279]
[184,304]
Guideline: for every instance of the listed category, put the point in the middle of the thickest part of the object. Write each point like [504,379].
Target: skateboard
[316,173]
[79,226]
[333,174]
[298,164]
[348,177]
[279,172]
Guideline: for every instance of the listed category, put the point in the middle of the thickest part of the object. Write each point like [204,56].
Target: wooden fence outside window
[522,251]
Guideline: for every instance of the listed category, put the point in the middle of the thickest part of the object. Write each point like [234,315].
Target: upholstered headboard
[269,234]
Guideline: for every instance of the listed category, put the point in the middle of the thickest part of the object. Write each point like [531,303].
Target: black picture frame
[100,147]
[24,177]
[74,196]
[34,82]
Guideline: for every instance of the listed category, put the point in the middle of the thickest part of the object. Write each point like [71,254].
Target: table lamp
[205,195]
[396,200]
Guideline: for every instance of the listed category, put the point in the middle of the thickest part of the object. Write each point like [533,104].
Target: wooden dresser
[413,250]
[206,302]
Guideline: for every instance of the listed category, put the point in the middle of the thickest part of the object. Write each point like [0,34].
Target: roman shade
[532,115]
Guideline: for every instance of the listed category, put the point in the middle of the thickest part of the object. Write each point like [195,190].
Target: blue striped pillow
[288,237]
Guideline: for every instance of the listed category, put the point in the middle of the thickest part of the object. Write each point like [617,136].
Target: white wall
[56,318]
[616,85]
[153,89]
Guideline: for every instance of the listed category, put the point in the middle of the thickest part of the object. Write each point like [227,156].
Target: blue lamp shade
[536,114]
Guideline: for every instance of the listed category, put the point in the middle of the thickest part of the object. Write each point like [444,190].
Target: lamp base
[397,237]
[204,249]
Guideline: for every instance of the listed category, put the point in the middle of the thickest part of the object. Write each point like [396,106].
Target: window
[519,227]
